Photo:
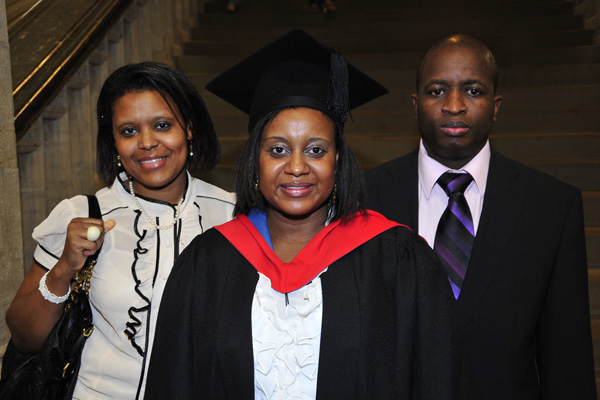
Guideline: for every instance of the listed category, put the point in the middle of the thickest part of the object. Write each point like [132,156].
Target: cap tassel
[338,99]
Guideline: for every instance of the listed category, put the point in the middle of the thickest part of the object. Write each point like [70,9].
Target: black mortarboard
[295,70]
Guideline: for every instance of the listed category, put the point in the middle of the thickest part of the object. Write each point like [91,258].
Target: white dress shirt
[432,198]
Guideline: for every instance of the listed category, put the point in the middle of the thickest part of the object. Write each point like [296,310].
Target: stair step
[556,121]
[393,30]
[548,39]
[256,13]
[541,75]
[398,61]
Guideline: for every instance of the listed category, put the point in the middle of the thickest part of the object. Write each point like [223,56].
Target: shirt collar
[430,170]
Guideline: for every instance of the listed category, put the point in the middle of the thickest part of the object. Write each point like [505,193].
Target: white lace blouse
[286,339]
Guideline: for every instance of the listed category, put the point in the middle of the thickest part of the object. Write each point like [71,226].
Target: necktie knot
[454,184]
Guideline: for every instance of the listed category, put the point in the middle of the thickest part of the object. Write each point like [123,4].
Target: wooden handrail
[33,93]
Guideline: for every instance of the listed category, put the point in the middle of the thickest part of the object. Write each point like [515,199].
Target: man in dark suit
[515,253]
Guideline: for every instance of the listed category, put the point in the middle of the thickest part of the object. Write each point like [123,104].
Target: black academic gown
[389,328]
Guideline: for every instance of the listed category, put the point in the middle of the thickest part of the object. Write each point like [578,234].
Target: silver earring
[191,150]
[119,162]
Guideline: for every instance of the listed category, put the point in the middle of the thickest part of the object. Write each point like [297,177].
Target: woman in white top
[152,122]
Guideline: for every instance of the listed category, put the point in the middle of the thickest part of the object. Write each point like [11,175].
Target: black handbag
[51,373]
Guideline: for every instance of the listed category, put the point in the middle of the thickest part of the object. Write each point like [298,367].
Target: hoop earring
[119,162]
[191,149]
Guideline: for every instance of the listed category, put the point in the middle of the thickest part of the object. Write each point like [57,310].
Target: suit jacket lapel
[502,204]
[402,178]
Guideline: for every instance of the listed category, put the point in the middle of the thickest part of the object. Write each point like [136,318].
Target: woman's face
[152,144]
[297,163]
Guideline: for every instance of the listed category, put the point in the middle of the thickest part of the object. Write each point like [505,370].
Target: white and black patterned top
[130,276]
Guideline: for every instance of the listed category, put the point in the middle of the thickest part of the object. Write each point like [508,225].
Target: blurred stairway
[549,70]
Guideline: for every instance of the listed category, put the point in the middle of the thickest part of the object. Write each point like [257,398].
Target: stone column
[11,240]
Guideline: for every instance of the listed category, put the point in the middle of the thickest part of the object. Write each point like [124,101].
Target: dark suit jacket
[524,301]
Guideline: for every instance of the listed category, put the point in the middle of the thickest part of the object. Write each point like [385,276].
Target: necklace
[139,206]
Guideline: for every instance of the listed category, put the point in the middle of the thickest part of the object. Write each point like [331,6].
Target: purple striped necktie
[455,234]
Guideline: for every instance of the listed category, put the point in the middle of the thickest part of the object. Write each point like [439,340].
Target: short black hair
[466,41]
[350,193]
[176,89]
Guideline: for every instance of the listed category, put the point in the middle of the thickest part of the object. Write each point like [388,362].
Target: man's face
[455,105]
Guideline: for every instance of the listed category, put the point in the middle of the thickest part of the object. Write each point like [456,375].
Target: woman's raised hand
[85,236]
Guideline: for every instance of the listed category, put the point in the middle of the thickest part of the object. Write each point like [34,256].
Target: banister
[49,75]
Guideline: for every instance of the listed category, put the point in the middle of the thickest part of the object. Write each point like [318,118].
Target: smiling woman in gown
[305,294]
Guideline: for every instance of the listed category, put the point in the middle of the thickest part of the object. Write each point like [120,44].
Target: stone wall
[11,248]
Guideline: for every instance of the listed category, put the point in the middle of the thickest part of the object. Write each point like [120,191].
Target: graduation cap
[295,70]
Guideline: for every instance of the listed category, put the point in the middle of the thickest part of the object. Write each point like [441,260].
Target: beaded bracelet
[48,295]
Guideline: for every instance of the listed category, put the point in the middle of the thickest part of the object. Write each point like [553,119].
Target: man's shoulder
[535,178]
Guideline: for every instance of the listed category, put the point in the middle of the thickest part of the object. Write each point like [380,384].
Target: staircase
[549,77]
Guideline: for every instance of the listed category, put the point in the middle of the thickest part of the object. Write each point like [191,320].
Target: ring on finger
[93,233]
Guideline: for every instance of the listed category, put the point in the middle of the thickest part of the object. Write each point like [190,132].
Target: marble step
[394,30]
[561,56]
[538,40]
[281,13]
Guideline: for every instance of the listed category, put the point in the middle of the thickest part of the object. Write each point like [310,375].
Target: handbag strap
[94,207]
[85,274]
[94,212]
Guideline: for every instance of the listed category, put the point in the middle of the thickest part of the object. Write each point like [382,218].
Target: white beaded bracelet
[48,295]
